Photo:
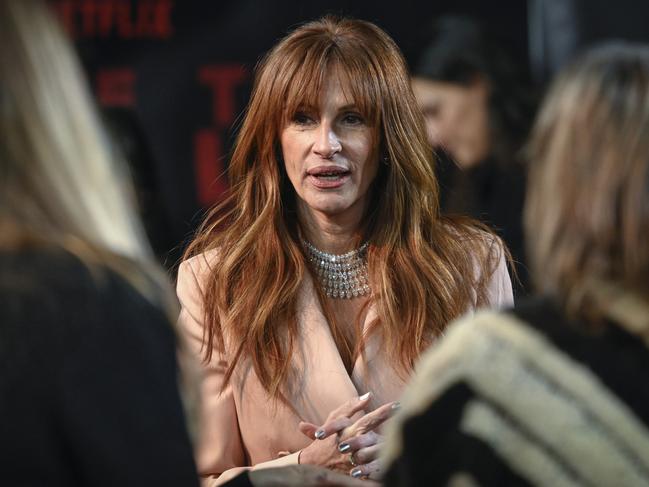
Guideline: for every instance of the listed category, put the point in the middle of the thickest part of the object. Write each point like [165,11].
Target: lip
[314,173]
[324,184]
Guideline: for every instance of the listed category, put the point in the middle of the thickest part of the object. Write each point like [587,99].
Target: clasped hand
[347,445]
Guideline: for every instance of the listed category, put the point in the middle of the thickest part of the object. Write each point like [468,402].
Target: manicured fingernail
[396,405]
[319,434]
[344,447]
[365,396]
[357,472]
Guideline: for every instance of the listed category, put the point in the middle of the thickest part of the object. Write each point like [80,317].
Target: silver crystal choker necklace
[341,276]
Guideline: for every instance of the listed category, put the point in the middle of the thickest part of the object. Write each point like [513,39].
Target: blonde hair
[424,270]
[59,179]
[588,201]
[61,185]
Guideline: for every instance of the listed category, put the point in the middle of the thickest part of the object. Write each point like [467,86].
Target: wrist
[304,458]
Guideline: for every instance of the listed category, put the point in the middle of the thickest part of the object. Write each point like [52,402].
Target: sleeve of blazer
[220,453]
[219,448]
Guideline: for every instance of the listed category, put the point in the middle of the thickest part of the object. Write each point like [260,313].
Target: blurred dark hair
[461,51]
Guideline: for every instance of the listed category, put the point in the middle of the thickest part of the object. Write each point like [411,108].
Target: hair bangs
[306,81]
[310,73]
[360,85]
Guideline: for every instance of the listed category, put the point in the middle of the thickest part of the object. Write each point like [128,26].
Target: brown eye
[302,118]
[353,119]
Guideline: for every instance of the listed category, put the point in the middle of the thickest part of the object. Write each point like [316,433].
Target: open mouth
[329,173]
[331,176]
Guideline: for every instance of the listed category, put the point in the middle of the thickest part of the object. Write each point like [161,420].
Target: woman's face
[330,155]
[457,118]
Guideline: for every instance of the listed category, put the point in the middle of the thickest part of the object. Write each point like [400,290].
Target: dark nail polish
[319,434]
[344,447]
[396,405]
[357,472]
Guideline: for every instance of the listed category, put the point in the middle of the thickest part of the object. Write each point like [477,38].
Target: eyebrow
[349,106]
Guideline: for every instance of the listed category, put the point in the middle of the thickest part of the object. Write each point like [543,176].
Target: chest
[346,319]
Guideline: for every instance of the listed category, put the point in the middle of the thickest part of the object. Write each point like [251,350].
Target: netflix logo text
[124,19]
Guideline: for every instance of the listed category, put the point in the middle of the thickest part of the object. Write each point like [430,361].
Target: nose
[327,143]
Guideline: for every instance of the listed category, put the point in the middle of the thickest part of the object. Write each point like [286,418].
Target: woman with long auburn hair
[311,291]
[552,393]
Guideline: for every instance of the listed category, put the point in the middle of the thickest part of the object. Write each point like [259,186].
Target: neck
[332,234]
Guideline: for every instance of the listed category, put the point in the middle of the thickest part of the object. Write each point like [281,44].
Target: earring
[385,160]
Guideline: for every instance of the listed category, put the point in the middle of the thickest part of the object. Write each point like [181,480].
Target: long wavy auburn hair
[588,200]
[424,270]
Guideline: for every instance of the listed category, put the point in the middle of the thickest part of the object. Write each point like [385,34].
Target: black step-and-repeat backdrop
[560,29]
[173,78]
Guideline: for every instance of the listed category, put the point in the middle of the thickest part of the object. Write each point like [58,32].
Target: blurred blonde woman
[553,392]
[88,374]
[312,290]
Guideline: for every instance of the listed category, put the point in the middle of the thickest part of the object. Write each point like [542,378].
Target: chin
[329,207]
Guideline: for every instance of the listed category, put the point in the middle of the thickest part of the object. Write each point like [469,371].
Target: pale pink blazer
[243,427]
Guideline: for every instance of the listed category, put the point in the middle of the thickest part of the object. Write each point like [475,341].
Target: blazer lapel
[323,384]
[374,371]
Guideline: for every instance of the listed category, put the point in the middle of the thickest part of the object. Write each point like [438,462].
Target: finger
[372,420]
[308,429]
[367,455]
[355,443]
[369,470]
[302,476]
[332,427]
[335,479]
[352,406]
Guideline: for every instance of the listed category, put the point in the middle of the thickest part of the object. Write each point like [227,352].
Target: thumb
[308,429]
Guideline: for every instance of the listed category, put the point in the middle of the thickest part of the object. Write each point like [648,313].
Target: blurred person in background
[553,392]
[312,289]
[89,381]
[88,372]
[478,108]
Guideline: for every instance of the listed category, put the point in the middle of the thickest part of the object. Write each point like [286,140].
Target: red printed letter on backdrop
[223,80]
[116,87]
[211,180]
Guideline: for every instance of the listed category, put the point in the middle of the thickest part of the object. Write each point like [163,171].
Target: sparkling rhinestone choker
[341,276]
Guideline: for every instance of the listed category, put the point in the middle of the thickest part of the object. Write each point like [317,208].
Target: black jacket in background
[88,392]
